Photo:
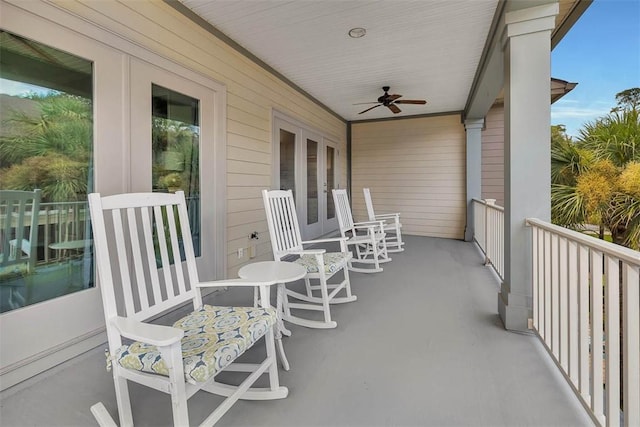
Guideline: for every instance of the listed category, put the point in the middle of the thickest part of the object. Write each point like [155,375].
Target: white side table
[280,272]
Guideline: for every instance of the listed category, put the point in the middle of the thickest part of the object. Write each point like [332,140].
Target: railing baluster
[573,302]
[535,278]
[631,344]
[563,303]
[597,388]
[547,288]
[612,340]
[583,312]
[541,317]
[555,298]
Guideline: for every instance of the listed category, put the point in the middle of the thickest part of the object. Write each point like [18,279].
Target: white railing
[586,305]
[488,232]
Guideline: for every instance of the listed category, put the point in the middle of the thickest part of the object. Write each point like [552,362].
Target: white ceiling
[424,49]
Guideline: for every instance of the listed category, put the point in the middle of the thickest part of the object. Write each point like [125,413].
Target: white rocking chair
[392,224]
[141,275]
[368,238]
[18,241]
[321,265]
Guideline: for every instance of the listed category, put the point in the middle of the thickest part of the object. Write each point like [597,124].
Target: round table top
[71,244]
[277,271]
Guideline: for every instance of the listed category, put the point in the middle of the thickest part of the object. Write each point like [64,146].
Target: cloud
[578,112]
[575,109]
[10,87]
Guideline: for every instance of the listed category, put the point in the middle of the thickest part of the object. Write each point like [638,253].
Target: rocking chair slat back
[283,222]
[345,219]
[150,255]
[150,249]
[367,200]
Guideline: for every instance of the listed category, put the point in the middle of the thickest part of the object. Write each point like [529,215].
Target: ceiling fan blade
[394,108]
[364,103]
[411,101]
[393,97]
[375,106]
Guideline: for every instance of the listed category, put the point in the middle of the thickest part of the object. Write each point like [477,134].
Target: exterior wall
[415,167]
[493,155]
[252,93]
[152,31]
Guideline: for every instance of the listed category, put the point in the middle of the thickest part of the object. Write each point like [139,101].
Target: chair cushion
[214,337]
[333,262]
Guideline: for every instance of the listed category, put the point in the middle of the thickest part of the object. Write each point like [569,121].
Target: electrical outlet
[240,253]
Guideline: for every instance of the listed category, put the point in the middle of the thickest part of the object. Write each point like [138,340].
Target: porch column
[474,170]
[526,41]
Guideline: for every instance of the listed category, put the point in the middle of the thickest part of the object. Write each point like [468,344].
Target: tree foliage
[628,99]
[51,151]
[596,179]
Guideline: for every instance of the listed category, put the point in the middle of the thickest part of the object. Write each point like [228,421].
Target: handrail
[625,254]
[484,202]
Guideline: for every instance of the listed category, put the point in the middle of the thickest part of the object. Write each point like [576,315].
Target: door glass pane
[312,181]
[331,212]
[287,161]
[175,137]
[46,143]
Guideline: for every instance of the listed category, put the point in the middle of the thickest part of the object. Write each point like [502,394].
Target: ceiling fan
[391,101]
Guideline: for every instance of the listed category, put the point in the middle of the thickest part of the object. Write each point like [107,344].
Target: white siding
[252,94]
[493,155]
[415,167]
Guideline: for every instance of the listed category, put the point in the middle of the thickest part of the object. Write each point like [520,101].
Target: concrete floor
[422,346]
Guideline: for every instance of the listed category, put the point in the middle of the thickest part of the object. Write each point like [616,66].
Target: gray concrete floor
[422,346]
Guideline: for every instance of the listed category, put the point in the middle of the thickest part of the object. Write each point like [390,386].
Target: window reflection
[287,161]
[312,181]
[46,144]
[175,150]
[331,173]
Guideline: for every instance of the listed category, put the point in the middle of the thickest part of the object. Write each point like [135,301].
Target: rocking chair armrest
[388,215]
[234,283]
[329,240]
[147,333]
[308,252]
[365,224]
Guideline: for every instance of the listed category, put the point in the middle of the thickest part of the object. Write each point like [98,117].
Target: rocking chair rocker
[139,261]
[321,265]
[392,226]
[368,237]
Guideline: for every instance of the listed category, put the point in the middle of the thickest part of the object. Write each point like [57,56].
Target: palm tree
[52,150]
[596,179]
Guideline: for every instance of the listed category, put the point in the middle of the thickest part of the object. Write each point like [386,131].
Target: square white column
[526,44]
[473,128]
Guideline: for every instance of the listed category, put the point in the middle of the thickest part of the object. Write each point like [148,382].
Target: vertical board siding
[493,155]
[252,94]
[415,167]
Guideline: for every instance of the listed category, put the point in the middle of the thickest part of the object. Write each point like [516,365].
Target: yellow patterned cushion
[333,261]
[214,337]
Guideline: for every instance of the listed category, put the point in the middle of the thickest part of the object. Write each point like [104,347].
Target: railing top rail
[625,254]
[489,205]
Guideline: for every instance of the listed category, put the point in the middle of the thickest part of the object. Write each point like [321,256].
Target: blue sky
[601,53]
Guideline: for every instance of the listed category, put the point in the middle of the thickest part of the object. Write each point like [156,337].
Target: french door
[133,126]
[172,129]
[54,310]
[306,164]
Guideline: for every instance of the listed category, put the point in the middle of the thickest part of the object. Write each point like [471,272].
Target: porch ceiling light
[356,33]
